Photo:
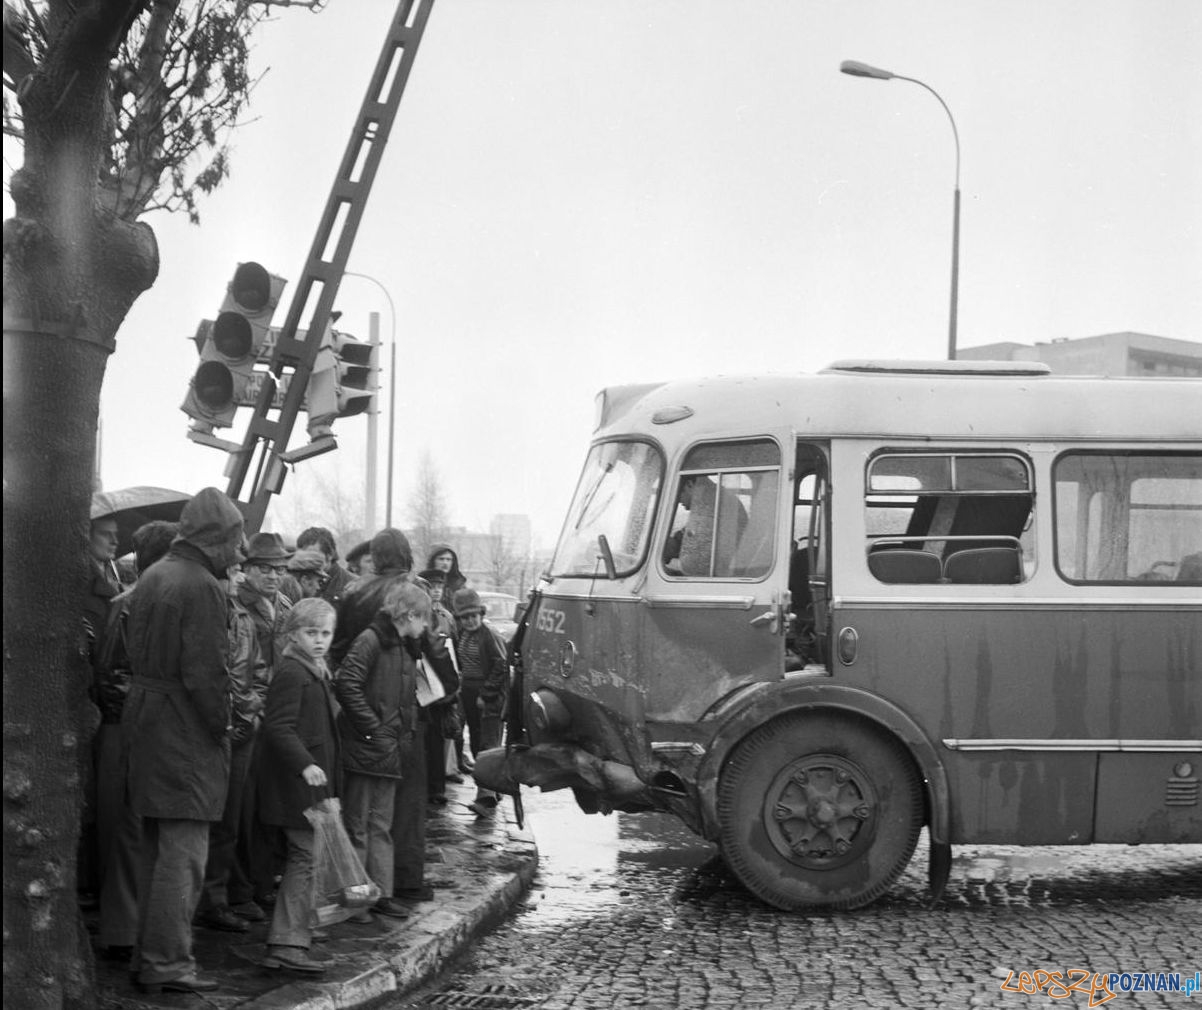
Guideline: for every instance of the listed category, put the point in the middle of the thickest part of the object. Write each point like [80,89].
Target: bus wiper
[588,501]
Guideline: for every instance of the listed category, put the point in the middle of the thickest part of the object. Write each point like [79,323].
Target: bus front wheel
[819,810]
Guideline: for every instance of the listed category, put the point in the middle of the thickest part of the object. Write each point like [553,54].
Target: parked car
[499,612]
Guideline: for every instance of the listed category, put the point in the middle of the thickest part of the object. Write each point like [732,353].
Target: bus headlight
[547,714]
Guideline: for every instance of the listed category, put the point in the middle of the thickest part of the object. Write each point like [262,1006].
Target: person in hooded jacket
[120,831]
[444,558]
[226,873]
[176,723]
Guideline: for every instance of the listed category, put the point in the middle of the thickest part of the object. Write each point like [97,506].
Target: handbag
[451,719]
[340,883]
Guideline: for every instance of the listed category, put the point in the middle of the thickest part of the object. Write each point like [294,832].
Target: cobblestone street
[634,911]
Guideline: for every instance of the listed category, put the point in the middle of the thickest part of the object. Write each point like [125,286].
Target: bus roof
[946,400]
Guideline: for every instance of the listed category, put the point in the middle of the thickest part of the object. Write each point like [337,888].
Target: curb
[480,868]
[425,947]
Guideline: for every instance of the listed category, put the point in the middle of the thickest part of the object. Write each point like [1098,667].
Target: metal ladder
[265,445]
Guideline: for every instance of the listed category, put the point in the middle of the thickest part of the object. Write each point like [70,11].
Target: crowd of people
[242,681]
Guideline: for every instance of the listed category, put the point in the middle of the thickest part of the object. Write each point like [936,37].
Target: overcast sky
[579,194]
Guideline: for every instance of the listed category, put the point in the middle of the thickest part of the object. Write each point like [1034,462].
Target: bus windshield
[616,498]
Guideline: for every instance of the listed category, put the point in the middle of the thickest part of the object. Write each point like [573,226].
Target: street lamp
[857,69]
[391,394]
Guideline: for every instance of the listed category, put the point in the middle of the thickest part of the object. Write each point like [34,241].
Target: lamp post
[856,69]
[391,393]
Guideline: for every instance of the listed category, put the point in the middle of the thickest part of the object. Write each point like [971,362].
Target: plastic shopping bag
[340,884]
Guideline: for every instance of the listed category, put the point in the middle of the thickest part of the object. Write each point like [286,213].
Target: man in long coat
[177,724]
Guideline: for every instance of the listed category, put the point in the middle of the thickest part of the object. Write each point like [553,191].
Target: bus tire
[819,810]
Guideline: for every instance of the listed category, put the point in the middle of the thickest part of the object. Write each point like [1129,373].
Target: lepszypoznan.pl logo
[1100,987]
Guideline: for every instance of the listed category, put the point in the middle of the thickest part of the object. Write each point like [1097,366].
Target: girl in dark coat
[300,762]
[376,687]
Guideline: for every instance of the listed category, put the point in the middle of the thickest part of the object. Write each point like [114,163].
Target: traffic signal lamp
[343,382]
[229,346]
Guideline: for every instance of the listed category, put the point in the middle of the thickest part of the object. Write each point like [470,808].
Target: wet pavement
[634,911]
[479,869]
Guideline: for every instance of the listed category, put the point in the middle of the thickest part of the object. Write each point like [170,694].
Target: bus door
[715,604]
[807,643]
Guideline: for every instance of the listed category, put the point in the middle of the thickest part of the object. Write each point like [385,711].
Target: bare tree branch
[19,59]
[178,82]
[427,507]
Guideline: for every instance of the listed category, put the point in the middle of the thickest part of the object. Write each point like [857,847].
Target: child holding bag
[299,766]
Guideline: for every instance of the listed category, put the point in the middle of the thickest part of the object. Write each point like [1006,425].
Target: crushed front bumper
[559,766]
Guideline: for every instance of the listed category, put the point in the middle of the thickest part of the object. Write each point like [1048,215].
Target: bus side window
[1128,517]
[952,517]
[724,524]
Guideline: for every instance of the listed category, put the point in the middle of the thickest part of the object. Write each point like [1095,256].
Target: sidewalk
[478,868]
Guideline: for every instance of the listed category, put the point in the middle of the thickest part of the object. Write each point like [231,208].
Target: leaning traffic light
[229,346]
[342,384]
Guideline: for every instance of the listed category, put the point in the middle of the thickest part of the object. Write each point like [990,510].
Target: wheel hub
[820,811]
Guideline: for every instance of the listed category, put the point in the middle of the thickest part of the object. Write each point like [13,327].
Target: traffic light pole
[265,446]
[373,431]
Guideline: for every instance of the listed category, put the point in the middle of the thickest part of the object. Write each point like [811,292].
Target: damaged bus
[811,615]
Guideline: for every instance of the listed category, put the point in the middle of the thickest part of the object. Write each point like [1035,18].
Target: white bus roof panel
[968,404]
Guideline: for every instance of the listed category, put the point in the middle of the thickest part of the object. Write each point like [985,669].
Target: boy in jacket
[484,669]
[300,765]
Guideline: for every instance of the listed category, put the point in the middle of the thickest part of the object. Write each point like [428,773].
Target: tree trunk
[71,273]
[51,393]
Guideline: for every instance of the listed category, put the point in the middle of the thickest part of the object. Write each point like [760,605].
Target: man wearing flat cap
[176,722]
[308,567]
[337,579]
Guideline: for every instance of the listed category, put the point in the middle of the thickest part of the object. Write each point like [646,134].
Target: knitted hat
[467,601]
[434,575]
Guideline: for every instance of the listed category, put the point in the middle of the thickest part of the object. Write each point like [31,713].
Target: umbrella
[135,506]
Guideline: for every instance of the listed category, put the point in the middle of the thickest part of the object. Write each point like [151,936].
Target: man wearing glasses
[259,593]
[265,566]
